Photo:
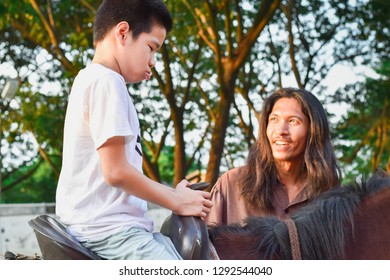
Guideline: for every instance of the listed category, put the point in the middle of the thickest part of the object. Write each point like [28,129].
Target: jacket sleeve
[216,215]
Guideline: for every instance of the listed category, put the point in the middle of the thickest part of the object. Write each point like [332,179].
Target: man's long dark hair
[259,177]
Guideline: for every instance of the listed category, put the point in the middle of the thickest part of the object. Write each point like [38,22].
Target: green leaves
[363,135]
[218,63]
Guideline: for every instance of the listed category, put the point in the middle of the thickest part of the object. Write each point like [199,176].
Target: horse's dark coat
[325,227]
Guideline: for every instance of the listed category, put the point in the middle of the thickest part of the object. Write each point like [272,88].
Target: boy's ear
[122,30]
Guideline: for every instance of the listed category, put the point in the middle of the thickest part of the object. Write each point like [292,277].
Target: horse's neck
[371,232]
[236,247]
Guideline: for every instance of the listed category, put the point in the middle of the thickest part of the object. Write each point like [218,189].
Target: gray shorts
[134,244]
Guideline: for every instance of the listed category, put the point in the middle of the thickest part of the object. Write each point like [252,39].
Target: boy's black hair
[139,14]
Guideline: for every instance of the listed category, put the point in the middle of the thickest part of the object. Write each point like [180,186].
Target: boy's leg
[134,244]
[167,243]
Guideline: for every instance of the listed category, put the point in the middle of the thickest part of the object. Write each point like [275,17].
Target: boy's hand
[191,202]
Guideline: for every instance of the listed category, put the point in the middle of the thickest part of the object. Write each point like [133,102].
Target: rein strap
[294,239]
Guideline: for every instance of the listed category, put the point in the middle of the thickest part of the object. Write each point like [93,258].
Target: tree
[363,133]
[46,47]
[216,66]
[245,40]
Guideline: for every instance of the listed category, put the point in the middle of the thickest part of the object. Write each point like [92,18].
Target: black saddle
[56,243]
[188,234]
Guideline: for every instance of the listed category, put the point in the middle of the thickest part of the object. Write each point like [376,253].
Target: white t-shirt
[99,108]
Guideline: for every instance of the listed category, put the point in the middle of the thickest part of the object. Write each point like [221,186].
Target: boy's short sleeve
[108,112]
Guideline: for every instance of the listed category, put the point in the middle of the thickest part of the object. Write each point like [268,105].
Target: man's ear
[122,30]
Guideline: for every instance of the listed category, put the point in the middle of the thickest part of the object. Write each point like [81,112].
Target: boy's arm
[119,173]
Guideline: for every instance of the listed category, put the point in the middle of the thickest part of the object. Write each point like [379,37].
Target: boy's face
[137,57]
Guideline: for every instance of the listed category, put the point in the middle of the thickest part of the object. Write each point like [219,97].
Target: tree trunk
[218,140]
[179,164]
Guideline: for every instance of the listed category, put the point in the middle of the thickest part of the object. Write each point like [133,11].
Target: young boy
[102,192]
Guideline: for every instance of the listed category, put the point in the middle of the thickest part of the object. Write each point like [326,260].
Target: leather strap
[294,239]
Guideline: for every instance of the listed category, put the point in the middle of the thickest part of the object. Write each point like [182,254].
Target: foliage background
[198,114]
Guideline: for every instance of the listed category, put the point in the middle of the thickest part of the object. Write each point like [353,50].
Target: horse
[350,222]
[347,223]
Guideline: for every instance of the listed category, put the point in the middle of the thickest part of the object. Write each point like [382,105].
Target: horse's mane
[323,225]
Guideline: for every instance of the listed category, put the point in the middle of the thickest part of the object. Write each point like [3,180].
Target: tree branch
[202,33]
[45,156]
[265,14]
[288,12]
[53,39]
[22,178]
[200,145]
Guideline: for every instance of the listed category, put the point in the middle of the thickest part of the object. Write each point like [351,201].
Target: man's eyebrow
[288,116]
